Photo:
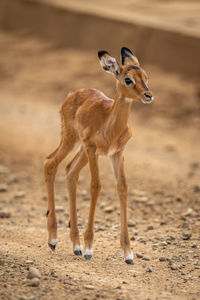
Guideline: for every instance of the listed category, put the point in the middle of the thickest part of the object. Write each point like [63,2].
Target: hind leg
[72,171]
[50,169]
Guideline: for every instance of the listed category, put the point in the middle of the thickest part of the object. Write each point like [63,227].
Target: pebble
[186,235]
[197,188]
[146,258]
[3,188]
[60,209]
[34,282]
[139,255]
[163,244]
[150,227]
[162,258]
[33,272]
[29,262]
[131,223]
[109,209]
[89,287]
[5,214]
[174,267]
[189,213]
[20,194]
[12,179]
[149,269]
[142,199]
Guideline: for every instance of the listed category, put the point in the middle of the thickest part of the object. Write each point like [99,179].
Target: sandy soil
[163,168]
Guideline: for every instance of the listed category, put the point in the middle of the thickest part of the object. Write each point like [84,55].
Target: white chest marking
[129,100]
[111,152]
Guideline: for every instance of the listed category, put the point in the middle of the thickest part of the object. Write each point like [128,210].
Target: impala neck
[118,118]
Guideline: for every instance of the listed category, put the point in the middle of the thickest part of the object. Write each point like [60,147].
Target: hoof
[77,252]
[53,247]
[88,256]
[129,261]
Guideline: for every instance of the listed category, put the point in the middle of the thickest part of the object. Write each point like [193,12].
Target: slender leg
[73,170]
[50,168]
[95,188]
[118,167]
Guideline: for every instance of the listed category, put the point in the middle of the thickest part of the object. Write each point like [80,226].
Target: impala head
[132,79]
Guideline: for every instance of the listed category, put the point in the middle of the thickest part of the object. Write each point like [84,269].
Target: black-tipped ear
[109,63]
[101,53]
[128,57]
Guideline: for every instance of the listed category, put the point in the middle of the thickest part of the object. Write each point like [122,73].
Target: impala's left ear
[109,63]
[128,57]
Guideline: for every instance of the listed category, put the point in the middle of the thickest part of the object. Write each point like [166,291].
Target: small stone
[140,199]
[149,269]
[12,179]
[89,287]
[29,262]
[33,272]
[194,165]
[197,188]
[84,193]
[164,244]
[162,258]
[139,255]
[186,235]
[21,298]
[146,258]
[20,194]
[32,298]
[174,267]
[3,188]
[60,209]
[109,209]
[189,213]
[133,238]
[34,282]
[5,214]
[150,227]
[131,223]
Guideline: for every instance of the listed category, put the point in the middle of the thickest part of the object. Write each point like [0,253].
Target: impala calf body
[99,125]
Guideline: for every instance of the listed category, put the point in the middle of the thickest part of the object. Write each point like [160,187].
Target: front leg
[95,188]
[118,167]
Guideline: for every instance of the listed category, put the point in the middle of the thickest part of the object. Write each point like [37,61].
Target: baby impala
[99,125]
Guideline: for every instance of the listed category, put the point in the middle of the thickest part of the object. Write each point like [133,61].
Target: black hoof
[53,247]
[77,252]
[88,256]
[129,261]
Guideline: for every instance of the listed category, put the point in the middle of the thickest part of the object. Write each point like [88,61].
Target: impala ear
[128,57]
[109,63]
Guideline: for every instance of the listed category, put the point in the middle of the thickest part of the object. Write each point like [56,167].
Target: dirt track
[163,168]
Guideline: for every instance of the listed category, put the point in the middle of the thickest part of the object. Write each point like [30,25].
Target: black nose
[149,97]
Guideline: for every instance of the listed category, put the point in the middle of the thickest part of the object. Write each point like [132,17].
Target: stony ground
[163,169]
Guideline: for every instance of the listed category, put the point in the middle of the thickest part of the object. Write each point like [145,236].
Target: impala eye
[128,81]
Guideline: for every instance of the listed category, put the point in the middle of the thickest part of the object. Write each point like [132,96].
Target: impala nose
[147,98]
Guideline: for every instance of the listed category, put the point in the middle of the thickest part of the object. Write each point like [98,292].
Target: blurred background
[48,48]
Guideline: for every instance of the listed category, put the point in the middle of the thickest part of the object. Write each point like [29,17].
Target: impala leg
[118,167]
[50,168]
[95,188]
[73,170]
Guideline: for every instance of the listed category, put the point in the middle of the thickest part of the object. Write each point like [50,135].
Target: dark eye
[128,81]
